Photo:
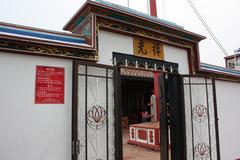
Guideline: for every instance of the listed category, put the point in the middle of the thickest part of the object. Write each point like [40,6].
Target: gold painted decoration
[148,48]
[4,44]
[48,50]
[136,73]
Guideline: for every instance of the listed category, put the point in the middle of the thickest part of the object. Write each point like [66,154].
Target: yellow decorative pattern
[49,50]
[4,44]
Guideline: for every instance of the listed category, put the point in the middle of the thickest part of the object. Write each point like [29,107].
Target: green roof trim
[78,21]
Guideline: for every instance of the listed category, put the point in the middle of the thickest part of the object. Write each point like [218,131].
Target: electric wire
[207,27]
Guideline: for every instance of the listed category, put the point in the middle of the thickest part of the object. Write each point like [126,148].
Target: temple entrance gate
[188,106]
[201,120]
[188,115]
[93,134]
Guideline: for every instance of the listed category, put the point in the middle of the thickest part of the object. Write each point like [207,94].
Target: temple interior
[135,97]
[136,93]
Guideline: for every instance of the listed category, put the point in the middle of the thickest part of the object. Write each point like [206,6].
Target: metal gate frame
[171,86]
[172,117]
[215,114]
[75,142]
[172,102]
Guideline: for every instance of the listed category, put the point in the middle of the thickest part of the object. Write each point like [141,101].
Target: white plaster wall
[112,42]
[32,131]
[228,95]
[177,55]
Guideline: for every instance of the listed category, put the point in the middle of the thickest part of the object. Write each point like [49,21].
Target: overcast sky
[221,16]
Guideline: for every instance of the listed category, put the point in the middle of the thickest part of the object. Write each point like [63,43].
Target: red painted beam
[153,8]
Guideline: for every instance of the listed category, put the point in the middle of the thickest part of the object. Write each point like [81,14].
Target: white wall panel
[32,131]
[228,94]
[177,55]
[111,42]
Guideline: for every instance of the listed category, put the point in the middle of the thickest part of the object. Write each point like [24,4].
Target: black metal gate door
[188,118]
[202,140]
[93,112]
[172,133]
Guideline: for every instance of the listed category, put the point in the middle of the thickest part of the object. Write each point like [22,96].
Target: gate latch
[75,147]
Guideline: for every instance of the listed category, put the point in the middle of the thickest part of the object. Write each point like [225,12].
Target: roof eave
[232,56]
[75,16]
[87,3]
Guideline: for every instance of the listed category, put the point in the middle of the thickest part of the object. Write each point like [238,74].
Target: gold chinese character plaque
[148,48]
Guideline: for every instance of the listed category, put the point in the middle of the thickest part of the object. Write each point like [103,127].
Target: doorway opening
[140,127]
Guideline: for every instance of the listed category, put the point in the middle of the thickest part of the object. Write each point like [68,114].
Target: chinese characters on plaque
[49,85]
[148,48]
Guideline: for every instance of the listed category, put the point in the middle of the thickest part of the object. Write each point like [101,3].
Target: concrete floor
[133,152]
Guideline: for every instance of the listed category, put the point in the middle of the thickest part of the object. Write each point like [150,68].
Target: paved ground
[132,152]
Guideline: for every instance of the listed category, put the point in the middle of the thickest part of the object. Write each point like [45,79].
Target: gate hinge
[75,147]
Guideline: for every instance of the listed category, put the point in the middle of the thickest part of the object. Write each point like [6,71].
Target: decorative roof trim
[232,56]
[7,30]
[132,61]
[133,14]
[41,36]
[14,46]
[219,70]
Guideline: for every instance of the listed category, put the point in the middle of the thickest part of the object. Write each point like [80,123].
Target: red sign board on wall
[49,87]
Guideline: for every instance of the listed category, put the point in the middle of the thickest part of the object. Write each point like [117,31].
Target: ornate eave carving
[46,50]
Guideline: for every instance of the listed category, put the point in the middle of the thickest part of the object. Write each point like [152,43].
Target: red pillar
[153,8]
